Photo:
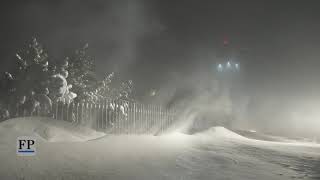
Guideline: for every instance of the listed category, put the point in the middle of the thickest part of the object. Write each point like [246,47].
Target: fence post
[144,118]
[147,117]
[104,117]
[81,116]
[154,110]
[91,109]
[56,109]
[152,119]
[134,118]
[95,116]
[127,110]
[125,116]
[101,115]
[67,111]
[92,123]
[141,119]
[159,119]
[114,116]
[162,120]
[155,119]
[104,114]
[107,114]
[86,115]
[52,112]
[72,114]
[77,114]
[118,117]
[61,115]
[129,119]
[138,119]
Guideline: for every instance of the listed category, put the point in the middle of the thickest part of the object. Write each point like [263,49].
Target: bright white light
[237,66]
[228,64]
[220,67]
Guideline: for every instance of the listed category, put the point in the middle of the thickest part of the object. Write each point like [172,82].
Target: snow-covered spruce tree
[82,74]
[126,89]
[32,67]
[59,88]
[112,88]
[28,88]
[84,83]
[34,81]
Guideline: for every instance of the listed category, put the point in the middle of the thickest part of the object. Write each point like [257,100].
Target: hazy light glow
[220,67]
[228,64]
[237,66]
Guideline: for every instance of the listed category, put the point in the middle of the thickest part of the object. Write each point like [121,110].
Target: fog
[173,48]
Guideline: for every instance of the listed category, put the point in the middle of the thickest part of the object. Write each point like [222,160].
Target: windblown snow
[47,129]
[67,151]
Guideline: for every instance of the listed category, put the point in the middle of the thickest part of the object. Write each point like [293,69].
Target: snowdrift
[267,137]
[47,129]
[217,153]
[220,132]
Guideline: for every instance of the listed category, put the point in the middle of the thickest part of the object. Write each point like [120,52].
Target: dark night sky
[150,40]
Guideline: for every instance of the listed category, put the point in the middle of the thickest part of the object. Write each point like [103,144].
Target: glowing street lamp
[220,67]
[228,64]
[237,66]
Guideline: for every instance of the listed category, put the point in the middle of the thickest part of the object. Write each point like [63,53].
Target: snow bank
[216,153]
[48,129]
[220,132]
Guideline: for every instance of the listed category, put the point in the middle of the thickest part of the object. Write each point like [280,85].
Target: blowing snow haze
[174,46]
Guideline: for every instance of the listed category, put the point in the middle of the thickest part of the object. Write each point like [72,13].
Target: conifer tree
[82,73]
[31,70]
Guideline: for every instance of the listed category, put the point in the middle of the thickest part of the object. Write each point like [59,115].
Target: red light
[225,42]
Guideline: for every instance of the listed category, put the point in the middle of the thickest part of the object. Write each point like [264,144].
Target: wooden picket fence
[113,116]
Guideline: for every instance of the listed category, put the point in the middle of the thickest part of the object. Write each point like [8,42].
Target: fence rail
[111,116]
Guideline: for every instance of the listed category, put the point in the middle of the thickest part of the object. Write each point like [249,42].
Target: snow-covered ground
[65,151]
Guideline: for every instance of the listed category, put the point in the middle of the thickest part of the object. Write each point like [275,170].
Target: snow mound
[48,129]
[264,137]
[220,132]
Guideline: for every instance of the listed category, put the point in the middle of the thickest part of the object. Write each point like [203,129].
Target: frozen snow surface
[67,151]
[47,129]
